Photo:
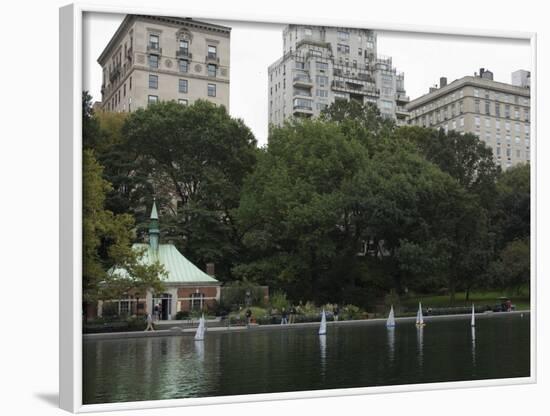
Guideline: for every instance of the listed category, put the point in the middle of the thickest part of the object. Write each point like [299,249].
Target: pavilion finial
[154,230]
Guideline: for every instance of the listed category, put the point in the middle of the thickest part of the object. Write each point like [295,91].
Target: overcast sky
[422,57]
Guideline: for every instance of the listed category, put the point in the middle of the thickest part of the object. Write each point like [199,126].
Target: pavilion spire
[154,229]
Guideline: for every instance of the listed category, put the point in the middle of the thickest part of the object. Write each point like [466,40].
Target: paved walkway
[254,327]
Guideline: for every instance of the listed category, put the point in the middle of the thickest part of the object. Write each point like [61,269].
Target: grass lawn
[479,298]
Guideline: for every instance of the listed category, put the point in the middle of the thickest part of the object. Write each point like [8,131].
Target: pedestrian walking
[248,316]
[335,312]
[150,326]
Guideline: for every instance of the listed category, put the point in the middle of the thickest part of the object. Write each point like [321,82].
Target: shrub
[279,301]
[182,315]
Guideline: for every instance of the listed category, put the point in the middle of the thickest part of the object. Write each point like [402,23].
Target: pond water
[297,359]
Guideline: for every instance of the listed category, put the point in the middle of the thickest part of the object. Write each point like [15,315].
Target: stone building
[496,112]
[154,58]
[322,64]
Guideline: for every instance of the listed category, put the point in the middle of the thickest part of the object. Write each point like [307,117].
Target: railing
[212,57]
[153,47]
[114,73]
[184,53]
[302,79]
[303,107]
[302,94]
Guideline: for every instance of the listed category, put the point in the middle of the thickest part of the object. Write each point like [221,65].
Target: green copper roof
[179,269]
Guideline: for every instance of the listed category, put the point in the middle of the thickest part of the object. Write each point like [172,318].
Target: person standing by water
[248,316]
[156,312]
[284,319]
[292,314]
[335,312]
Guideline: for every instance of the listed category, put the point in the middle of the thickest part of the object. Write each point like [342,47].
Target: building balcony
[184,53]
[212,58]
[402,98]
[302,81]
[130,53]
[115,73]
[401,111]
[154,48]
[302,109]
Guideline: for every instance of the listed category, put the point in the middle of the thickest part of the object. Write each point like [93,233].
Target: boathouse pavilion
[186,286]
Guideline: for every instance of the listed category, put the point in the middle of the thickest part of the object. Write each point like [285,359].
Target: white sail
[323,327]
[390,323]
[473,316]
[199,335]
[419,317]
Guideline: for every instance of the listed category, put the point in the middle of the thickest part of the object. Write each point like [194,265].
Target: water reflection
[297,359]
[473,332]
[420,346]
[391,344]
[323,353]
[199,350]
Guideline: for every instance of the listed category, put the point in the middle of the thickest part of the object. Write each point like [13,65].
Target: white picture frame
[70,292]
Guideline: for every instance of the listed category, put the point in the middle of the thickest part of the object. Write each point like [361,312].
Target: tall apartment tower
[322,64]
[497,113]
[153,58]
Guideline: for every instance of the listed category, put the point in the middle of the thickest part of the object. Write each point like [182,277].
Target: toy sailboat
[473,323]
[419,317]
[390,323]
[323,327]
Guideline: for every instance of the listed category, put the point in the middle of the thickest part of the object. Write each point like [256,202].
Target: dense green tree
[511,270]
[195,158]
[512,214]
[91,134]
[110,266]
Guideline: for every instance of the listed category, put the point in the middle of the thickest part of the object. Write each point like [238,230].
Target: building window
[498,150]
[321,106]
[343,48]
[487,107]
[518,128]
[211,90]
[343,35]
[183,101]
[153,81]
[518,140]
[212,52]
[182,85]
[476,106]
[184,47]
[454,124]
[461,122]
[527,143]
[516,113]
[487,122]
[153,61]
[184,65]
[497,124]
[321,80]
[322,93]
[152,99]
[307,32]
[507,111]
[461,106]
[477,121]
[507,125]
[360,52]
[476,92]
[154,42]
[497,109]
[211,70]
[130,85]
[321,66]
